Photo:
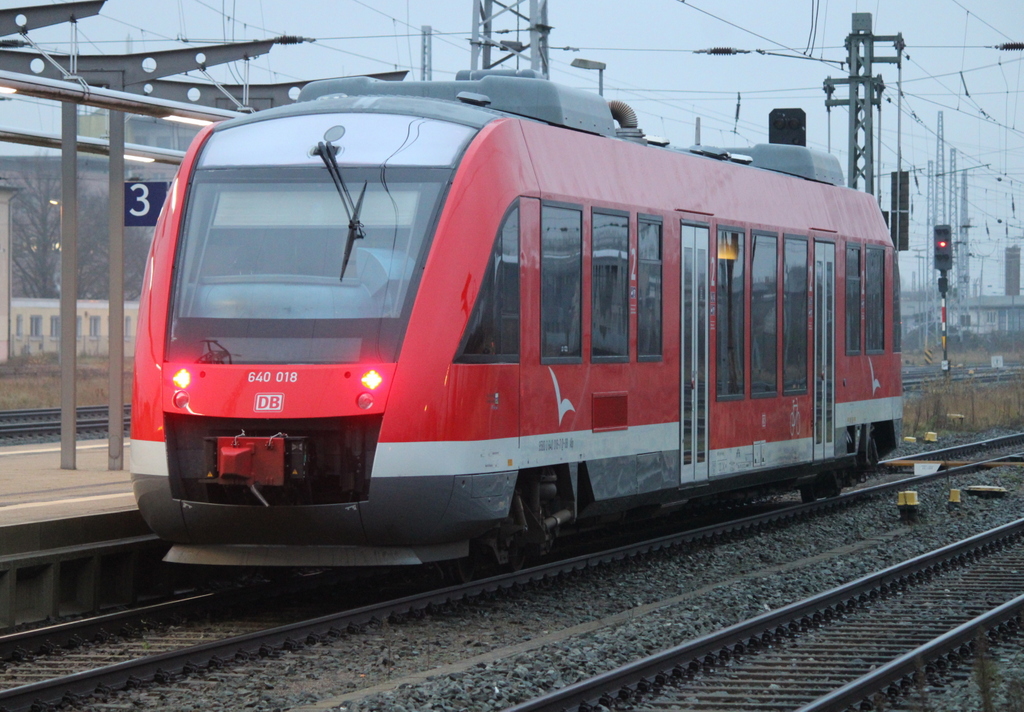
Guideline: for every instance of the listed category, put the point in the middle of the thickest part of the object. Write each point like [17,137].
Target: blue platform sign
[142,202]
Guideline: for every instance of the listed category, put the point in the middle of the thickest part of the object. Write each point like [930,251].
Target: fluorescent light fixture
[138,159]
[54,202]
[188,120]
[8,90]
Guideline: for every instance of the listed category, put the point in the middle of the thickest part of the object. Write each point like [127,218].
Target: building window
[54,327]
[794,317]
[730,293]
[874,300]
[561,280]
[35,326]
[764,297]
[853,299]
[94,326]
[648,328]
[128,327]
[610,286]
[19,329]
[78,327]
[492,334]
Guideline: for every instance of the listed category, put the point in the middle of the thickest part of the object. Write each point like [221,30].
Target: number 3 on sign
[143,201]
[142,198]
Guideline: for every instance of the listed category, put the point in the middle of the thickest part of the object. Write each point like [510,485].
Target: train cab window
[897,317]
[874,306]
[648,328]
[794,317]
[610,286]
[561,275]
[730,295]
[764,298]
[492,334]
[853,304]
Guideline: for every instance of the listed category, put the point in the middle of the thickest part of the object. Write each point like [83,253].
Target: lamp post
[580,63]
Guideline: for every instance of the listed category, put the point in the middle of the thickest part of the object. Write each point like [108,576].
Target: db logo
[269,402]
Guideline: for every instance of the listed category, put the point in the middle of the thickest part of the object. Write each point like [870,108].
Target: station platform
[34,488]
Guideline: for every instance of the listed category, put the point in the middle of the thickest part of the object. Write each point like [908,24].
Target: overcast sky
[651,51]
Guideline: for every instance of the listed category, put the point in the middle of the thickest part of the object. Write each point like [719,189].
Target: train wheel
[516,555]
[461,570]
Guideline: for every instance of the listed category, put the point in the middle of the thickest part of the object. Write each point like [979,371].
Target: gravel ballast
[620,612]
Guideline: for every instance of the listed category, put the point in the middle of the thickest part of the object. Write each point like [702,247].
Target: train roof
[478,97]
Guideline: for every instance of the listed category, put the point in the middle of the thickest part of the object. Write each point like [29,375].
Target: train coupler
[256,461]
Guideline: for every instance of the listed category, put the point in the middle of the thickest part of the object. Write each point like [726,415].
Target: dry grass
[943,405]
[34,382]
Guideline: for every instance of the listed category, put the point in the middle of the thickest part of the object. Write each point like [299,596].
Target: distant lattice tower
[493,19]
[1013,271]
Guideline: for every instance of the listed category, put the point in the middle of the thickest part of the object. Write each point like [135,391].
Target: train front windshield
[258,275]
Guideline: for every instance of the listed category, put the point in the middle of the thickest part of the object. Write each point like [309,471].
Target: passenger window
[764,298]
[561,274]
[648,329]
[853,299]
[874,306]
[794,317]
[492,334]
[730,294]
[610,286]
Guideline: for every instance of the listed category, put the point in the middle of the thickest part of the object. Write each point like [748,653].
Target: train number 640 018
[273,377]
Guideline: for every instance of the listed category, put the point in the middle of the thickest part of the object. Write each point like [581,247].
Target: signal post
[942,241]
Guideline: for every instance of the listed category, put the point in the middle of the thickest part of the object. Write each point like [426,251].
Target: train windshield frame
[257,270]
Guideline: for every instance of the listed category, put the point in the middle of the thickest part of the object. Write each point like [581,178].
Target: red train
[403,322]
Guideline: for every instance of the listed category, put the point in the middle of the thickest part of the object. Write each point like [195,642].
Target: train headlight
[182,378]
[372,379]
[364,401]
[181,399]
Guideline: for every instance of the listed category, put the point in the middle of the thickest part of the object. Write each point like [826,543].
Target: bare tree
[36,235]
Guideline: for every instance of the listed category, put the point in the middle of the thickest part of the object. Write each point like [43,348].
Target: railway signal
[943,249]
[943,243]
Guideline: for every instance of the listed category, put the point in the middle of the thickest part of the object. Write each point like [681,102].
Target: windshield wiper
[328,153]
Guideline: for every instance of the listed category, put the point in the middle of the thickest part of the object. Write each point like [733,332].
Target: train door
[693,361]
[824,349]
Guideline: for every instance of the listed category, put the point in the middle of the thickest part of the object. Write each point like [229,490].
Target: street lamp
[580,63]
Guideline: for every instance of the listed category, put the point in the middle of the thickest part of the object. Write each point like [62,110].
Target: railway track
[184,659]
[46,421]
[878,635]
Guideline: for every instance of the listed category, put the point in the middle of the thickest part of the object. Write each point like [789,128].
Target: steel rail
[904,668]
[642,675]
[46,421]
[166,665]
[956,450]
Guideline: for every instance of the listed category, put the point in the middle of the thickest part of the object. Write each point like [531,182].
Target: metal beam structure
[426,54]
[19,20]
[68,284]
[865,92]
[115,291]
[59,90]
[261,96]
[132,72]
[86,144]
[482,42]
[72,94]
